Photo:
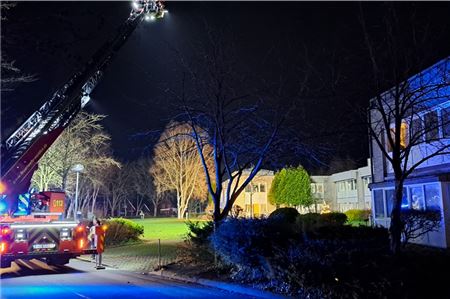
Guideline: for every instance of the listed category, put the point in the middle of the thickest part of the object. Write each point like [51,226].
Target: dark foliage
[122,230]
[284,214]
[263,252]
[199,249]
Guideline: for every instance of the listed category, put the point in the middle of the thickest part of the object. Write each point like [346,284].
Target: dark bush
[357,215]
[199,248]
[284,214]
[122,230]
[199,232]
[263,253]
[334,218]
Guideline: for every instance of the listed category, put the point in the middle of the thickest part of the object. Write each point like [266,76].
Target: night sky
[53,39]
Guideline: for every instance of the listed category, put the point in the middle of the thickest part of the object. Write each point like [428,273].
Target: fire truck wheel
[58,261]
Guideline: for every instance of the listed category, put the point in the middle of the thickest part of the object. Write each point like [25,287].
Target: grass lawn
[164,228]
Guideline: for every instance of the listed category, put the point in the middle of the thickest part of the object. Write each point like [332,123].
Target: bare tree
[403,124]
[176,166]
[10,74]
[83,142]
[141,182]
[244,124]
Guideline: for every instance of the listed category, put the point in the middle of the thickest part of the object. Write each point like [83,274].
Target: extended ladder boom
[23,149]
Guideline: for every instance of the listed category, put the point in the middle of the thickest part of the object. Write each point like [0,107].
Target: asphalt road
[79,279]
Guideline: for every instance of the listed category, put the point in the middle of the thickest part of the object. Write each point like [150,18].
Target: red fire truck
[32,225]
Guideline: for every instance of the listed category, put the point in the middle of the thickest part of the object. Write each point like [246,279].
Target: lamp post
[76,168]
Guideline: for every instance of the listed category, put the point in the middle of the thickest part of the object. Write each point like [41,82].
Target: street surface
[79,279]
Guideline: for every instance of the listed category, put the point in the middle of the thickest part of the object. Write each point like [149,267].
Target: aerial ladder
[23,236]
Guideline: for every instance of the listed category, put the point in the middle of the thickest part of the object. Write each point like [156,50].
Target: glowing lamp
[104,227]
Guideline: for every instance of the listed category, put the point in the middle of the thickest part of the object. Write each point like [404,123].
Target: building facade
[337,192]
[343,191]
[428,186]
[254,201]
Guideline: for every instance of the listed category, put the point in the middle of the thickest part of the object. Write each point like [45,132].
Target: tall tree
[177,167]
[141,182]
[402,122]
[83,142]
[243,120]
[291,186]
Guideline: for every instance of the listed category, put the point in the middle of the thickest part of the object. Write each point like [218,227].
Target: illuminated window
[403,136]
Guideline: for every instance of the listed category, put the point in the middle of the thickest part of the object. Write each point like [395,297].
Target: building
[428,186]
[343,191]
[337,192]
[254,200]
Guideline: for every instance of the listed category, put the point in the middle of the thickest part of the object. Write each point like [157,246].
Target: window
[378,204]
[248,188]
[403,136]
[390,200]
[366,181]
[416,198]
[445,118]
[262,187]
[432,196]
[431,126]
[389,194]
[417,130]
[255,188]
[313,188]
[319,188]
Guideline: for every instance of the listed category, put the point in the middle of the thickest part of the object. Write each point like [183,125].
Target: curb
[230,287]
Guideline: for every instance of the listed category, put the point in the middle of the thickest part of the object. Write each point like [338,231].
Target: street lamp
[76,168]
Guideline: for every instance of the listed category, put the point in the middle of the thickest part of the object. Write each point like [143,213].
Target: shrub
[310,222]
[122,230]
[199,247]
[284,214]
[357,215]
[262,253]
[334,218]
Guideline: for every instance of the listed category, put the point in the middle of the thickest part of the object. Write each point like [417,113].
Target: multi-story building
[338,192]
[343,191]
[254,200]
[428,186]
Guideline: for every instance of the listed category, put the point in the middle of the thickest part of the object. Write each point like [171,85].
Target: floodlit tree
[83,142]
[177,167]
[403,123]
[292,187]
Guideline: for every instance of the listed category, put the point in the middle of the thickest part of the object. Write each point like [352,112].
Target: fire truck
[32,225]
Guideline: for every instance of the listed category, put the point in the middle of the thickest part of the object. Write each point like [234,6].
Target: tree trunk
[395,228]
[155,209]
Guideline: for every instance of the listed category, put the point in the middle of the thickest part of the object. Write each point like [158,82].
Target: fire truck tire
[5,264]
[58,261]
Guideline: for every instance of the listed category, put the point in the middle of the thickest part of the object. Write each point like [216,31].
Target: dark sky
[53,39]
